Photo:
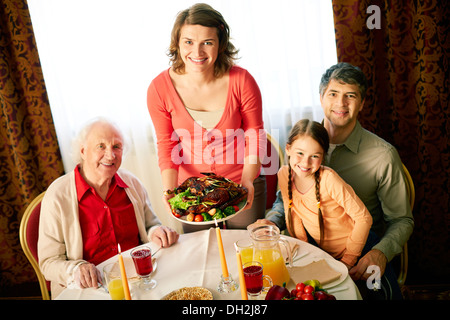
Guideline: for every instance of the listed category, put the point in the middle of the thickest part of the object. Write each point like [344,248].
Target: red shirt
[104,224]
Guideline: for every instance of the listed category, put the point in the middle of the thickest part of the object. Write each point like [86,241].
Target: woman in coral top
[207,112]
[318,202]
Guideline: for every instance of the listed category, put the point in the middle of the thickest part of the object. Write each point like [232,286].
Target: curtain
[403,48]
[99,57]
[29,156]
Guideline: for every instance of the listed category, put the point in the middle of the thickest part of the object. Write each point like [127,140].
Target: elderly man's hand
[165,236]
[87,276]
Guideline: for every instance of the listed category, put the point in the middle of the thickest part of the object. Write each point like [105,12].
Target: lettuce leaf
[177,202]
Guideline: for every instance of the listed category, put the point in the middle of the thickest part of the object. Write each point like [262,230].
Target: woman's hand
[166,196]
[250,193]
[169,180]
[250,173]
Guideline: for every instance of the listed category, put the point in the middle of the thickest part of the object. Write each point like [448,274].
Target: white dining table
[194,261]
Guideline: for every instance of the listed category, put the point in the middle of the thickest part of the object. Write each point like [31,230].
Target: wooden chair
[28,235]
[404,255]
[276,160]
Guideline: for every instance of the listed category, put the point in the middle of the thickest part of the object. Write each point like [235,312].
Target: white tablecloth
[194,261]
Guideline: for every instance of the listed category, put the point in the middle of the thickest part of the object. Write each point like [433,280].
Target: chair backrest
[404,255]
[410,186]
[275,160]
[29,234]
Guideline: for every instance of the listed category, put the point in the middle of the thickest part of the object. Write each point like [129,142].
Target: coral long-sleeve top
[346,219]
[184,145]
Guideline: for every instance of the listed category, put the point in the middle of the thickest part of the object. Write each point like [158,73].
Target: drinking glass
[253,275]
[113,279]
[246,249]
[142,258]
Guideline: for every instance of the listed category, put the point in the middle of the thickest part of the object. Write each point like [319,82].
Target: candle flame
[215,221]
[237,249]
[118,248]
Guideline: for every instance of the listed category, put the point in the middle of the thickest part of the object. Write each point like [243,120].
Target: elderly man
[87,212]
[371,166]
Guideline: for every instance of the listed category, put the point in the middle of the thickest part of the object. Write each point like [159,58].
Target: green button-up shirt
[373,168]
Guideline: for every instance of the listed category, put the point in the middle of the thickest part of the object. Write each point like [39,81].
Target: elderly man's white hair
[85,130]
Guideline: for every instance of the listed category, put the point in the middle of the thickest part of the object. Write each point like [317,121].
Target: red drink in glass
[142,259]
[253,278]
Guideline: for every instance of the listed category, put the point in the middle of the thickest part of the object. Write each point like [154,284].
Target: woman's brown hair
[316,131]
[204,15]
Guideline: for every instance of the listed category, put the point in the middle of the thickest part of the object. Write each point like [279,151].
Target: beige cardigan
[60,244]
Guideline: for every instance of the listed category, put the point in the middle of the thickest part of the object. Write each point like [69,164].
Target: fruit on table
[314,283]
[322,295]
[311,290]
[300,286]
[308,290]
[277,292]
[307,296]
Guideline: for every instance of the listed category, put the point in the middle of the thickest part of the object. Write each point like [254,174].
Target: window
[98,58]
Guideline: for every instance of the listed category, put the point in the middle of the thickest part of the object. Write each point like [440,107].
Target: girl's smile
[305,156]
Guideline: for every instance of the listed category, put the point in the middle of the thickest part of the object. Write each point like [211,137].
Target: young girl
[317,201]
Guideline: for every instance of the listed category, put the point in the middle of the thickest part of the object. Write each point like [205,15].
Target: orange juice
[115,289]
[246,255]
[273,265]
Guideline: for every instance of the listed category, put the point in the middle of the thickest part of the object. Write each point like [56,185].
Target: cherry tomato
[198,218]
[307,296]
[308,289]
[299,287]
[236,208]
[175,213]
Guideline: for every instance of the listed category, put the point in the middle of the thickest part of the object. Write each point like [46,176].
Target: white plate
[334,264]
[241,205]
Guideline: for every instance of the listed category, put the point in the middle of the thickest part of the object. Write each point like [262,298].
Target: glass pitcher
[266,249]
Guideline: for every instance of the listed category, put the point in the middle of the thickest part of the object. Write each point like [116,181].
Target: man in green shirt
[369,164]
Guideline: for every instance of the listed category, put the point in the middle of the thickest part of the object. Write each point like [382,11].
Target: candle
[223,261]
[126,288]
[241,274]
